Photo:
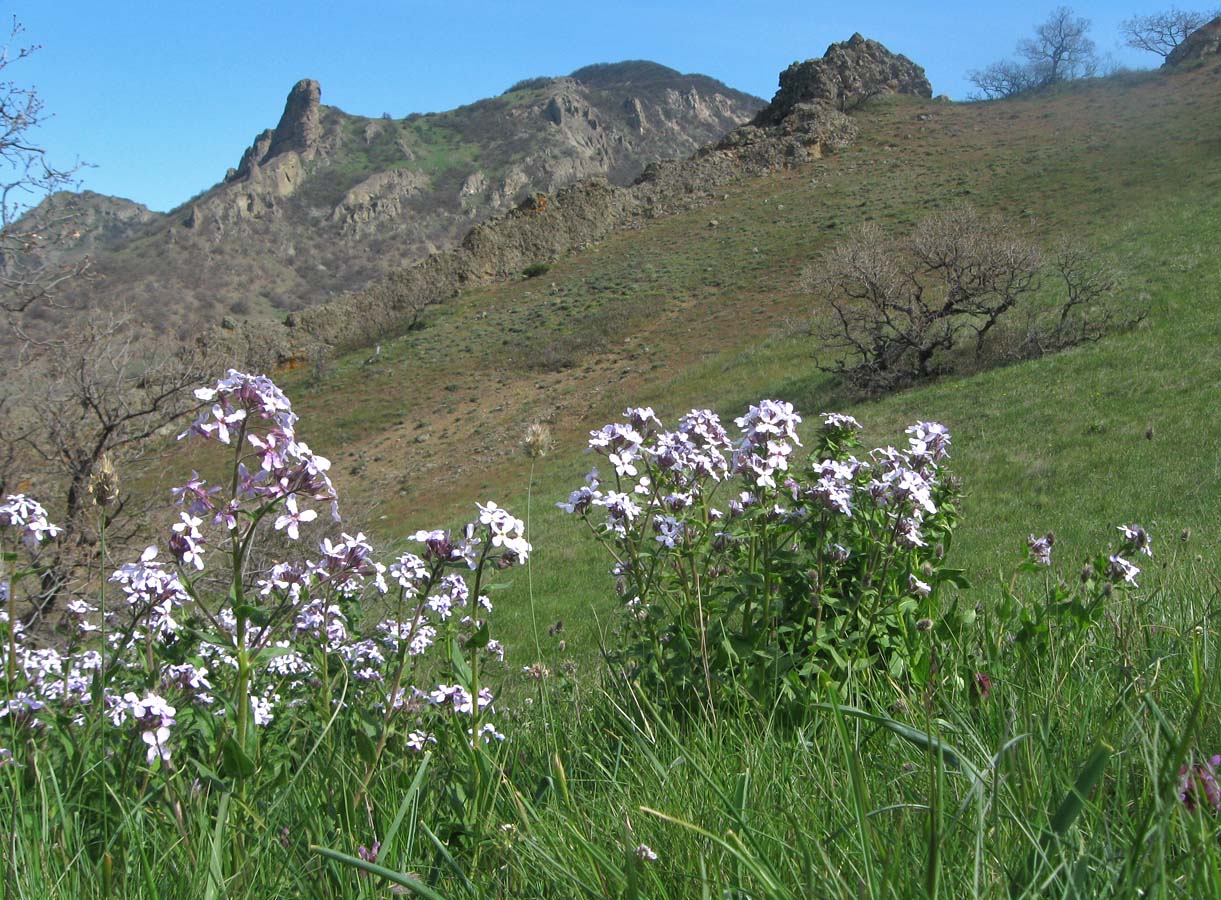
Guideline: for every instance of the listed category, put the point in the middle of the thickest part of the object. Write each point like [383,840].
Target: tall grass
[1062,780]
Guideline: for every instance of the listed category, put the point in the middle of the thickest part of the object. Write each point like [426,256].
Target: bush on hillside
[904,310]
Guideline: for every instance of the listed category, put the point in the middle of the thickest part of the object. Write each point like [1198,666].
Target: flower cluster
[1198,787]
[151,715]
[701,523]
[169,668]
[769,436]
[250,409]
[28,516]
[1040,548]
[1135,540]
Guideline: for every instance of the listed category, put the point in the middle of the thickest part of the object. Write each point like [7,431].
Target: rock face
[299,126]
[848,73]
[298,132]
[804,122]
[1205,41]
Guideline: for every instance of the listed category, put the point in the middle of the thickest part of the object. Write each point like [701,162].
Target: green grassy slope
[704,309]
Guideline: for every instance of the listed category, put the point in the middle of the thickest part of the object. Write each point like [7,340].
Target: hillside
[704,308]
[872,682]
[326,200]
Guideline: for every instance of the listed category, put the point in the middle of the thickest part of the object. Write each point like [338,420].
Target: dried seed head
[537,671]
[104,482]
[537,442]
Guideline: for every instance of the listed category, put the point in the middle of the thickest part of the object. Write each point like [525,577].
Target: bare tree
[1086,313]
[1162,32]
[95,392]
[903,310]
[26,176]
[1060,50]
[85,387]
[1004,78]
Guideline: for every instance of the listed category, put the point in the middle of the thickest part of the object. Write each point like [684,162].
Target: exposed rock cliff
[846,74]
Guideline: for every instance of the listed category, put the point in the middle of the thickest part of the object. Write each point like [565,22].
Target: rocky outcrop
[379,196]
[300,125]
[847,74]
[1202,43]
[802,123]
[299,129]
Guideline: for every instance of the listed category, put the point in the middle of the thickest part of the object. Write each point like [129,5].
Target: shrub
[904,309]
[536,269]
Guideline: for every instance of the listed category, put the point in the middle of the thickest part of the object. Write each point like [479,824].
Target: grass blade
[390,875]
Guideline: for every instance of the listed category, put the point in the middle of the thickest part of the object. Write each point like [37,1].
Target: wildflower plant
[748,572]
[198,689]
[1070,607]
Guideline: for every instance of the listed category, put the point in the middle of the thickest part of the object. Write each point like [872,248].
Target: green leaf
[1074,801]
[254,614]
[950,754]
[461,668]
[1066,814]
[956,577]
[235,762]
[267,654]
[210,777]
[480,638]
[365,748]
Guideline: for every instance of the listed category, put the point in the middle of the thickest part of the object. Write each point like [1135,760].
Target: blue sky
[162,97]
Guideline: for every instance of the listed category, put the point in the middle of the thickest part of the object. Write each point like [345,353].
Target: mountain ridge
[805,119]
[327,201]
